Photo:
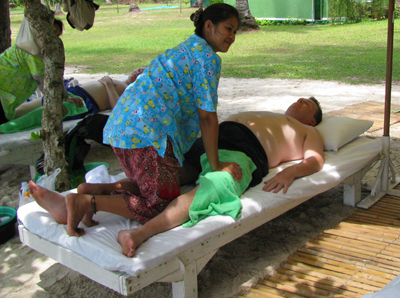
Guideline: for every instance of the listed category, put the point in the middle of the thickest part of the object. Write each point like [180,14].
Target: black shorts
[236,137]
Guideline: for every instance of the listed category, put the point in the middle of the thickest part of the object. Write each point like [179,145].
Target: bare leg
[79,208]
[107,188]
[27,107]
[54,203]
[49,200]
[188,175]
[176,213]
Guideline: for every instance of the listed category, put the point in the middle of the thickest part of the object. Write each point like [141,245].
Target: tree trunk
[5,31]
[133,6]
[247,21]
[53,55]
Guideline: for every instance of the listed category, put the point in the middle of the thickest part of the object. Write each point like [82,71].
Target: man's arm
[112,94]
[313,162]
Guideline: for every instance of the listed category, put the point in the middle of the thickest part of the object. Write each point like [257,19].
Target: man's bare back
[281,136]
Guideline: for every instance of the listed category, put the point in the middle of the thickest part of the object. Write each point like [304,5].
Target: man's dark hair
[318,113]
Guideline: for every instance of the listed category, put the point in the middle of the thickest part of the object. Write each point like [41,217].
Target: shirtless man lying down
[107,91]
[276,138]
[102,94]
[98,96]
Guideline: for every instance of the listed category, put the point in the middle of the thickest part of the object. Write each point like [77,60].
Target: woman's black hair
[216,13]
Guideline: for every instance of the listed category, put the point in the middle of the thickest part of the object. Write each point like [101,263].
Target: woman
[20,75]
[157,119]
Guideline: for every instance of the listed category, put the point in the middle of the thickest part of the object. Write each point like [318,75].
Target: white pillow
[338,131]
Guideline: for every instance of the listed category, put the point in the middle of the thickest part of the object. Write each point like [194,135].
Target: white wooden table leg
[188,287]
[352,190]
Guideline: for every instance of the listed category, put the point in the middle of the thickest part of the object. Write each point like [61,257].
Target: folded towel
[34,119]
[218,192]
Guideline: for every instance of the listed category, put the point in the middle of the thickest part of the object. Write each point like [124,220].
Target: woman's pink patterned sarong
[156,177]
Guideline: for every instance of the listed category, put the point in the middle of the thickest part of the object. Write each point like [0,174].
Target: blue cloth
[91,104]
[162,103]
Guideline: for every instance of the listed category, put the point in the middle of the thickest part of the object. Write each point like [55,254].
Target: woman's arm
[209,131]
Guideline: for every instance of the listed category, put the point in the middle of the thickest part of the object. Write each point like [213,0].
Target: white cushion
[338,131]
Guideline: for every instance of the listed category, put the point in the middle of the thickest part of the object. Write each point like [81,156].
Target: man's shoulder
[312,129]
[313,132]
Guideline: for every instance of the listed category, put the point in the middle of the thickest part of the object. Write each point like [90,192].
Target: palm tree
[247,21]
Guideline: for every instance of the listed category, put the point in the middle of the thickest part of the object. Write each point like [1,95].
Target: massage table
[178,255]
[18,148]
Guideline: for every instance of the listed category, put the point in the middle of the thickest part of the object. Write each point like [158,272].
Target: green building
[279,10]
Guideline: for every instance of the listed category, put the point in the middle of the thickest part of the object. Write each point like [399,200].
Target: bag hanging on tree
[27,39]
[80,13]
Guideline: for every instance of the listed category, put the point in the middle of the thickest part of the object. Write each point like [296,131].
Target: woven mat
[359,256]
[369,110]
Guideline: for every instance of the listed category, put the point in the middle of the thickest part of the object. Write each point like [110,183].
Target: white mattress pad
[100,244]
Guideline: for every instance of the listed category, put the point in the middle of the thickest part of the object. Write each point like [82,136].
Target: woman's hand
[232,168]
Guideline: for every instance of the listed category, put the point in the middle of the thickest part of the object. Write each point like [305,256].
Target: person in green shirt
[20,75]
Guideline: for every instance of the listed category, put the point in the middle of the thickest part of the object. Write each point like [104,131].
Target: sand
[26,273]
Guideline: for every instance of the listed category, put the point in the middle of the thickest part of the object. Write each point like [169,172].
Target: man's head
[306,110]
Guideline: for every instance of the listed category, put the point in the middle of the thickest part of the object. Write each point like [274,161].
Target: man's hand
[106,80]
[313,162]
[232,168]
[138,71]
[281,180]
[134,74]
[77,100]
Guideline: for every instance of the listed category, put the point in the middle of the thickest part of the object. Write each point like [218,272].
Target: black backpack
[76,149]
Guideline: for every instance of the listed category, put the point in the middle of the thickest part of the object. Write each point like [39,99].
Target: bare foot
[89,221]
[129,240]
[51,201]
[77,207]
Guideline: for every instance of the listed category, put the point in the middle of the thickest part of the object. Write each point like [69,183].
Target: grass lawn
[121,41]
